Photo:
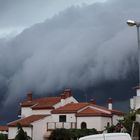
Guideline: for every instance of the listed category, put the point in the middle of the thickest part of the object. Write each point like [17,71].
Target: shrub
[68,134]
[3,136]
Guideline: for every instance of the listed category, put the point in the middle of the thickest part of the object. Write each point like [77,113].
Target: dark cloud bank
[89,49]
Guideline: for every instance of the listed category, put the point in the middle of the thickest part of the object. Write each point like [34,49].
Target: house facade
[41,116]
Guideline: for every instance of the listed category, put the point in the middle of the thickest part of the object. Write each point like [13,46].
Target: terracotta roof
[27,121]
[42,103]
[70,108]
[113,111]
[74,107]
[3,128]
[116,112]
[92,112]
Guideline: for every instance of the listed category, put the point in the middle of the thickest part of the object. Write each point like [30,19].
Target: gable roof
[42,103]
[3,128]
[86,109]
[27,121]
[117,112]
[92,112]
[70,108]
[45,103]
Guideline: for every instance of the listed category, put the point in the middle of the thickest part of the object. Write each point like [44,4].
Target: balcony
[54,125]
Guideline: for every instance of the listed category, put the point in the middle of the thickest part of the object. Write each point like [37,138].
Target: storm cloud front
[81,47]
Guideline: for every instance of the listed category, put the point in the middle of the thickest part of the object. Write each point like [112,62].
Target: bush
[68,134]
[60,134]
[3,136]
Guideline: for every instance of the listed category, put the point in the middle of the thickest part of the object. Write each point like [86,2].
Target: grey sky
[16,15]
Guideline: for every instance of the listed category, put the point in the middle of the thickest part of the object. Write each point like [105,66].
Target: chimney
[29,96]
[62,99]
[92,101]
[109,103]
[62,96]
[67,93]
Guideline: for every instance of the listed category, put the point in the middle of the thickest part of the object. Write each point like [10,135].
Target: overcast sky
[48,45]
[16,15]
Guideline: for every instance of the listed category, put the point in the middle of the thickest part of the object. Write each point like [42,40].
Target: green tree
[21,134]
[128,120]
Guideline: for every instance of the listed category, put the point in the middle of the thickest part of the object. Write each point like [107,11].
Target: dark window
[83,125]
[62,118]
[108,124]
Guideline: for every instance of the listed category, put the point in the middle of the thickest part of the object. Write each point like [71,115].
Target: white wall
[26,111]
[66,101]
[69,117]
[12,132]
[4,132]
[39,129]
[136,102]
[98,123]
[131,103]
[115,119]
[43,111]
[104,121]
[138,92]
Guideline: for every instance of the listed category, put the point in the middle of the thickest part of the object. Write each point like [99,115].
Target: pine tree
[21,134]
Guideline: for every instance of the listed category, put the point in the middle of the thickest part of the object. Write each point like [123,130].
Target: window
[108,124]
[83,125]
[62,118]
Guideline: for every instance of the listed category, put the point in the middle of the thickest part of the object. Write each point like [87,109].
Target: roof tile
[27,121]
[3,128]
[42,103]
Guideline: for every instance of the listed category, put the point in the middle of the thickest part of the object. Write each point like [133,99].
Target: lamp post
[137,24]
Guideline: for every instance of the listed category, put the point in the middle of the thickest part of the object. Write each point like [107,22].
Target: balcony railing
[55,125]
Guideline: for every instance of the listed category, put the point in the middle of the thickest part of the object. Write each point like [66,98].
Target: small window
[108,124]
[62,118]
[83,125]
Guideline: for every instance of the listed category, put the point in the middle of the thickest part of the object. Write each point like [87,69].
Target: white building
[39,117]
[135,101]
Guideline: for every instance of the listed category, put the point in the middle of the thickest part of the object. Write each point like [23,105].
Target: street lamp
[137,24]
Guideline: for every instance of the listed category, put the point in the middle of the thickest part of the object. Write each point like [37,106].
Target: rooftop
[27,121]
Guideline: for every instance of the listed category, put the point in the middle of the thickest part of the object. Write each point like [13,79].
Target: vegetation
[3,136]
[125,123]
[21,134]
[71,134]
[128,120]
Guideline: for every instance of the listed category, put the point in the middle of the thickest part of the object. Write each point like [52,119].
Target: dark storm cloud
[79,48]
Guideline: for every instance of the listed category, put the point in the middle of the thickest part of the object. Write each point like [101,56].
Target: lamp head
[131,22]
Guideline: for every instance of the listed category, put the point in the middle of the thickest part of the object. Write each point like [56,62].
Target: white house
[39,117]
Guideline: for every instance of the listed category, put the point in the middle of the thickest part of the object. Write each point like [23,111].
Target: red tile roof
[116,112]
[92,112]
[27,121]
[70,108]
[3,128]
[42,103]
[75,107]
